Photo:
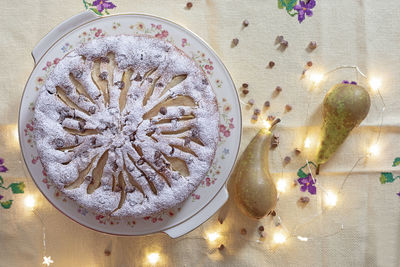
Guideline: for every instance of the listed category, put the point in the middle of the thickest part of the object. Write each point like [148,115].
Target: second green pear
[345,107]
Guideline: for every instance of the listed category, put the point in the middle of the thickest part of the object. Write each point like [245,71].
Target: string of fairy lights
[281,233]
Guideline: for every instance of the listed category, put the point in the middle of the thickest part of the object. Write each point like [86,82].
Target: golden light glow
[29,201]
[266,124]
[213,236]
[307,142]
[47,260]
[375,83]
[281,185]
[279,237]
[373,150]
[316,77]
[330,199]
[153,257]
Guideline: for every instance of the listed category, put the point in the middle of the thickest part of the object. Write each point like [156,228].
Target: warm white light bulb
[153,258]
[307,142]
[279,237]
[375,83]
[266,124]
[374,150]
[330,199]
[281,185]
[302,238]
[212,236]
[29,201]
[316,77]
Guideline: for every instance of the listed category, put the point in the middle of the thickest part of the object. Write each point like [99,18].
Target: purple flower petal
[1,161]
[297,7]
[309,12]
[3,168]
[303,188]
[109,5]
[302,4]
[97,2]
[398,194]
[1,196]
[302,180]
[100,8]
[301,16]
[345,81]
[353,82]
[311,4]
[312,189]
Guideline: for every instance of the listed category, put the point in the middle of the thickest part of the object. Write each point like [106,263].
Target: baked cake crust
[126,125]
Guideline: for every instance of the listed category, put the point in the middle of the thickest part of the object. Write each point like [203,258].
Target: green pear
[255,191]
[345,107]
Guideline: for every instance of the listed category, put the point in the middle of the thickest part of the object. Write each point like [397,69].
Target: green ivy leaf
[386,177]
[1,180]
[290,4]
[6,204]
[396,162]
[280,4]
[301,174]
[96,11]
[17,188]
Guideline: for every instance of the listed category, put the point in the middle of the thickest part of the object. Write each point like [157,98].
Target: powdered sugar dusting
[117,159]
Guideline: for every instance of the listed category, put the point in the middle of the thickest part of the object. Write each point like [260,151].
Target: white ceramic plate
[210,195]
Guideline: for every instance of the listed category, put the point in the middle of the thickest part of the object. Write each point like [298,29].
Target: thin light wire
[43,230]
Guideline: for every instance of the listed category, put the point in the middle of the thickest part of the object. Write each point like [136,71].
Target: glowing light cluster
[153,257]
[281,185]
[213,236]
[279,237]
[330,199]
[29,201]
[375,83]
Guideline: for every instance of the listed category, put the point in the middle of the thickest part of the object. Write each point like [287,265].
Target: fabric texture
[362,33]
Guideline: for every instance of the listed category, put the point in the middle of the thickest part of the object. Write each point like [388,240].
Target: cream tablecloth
[360,32]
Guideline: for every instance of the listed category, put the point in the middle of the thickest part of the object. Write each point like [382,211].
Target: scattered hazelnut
[273,213]
[243,231]
[235,41]
[312,45]
[287,160]
[254,117]
[297,151]
[284,43]
[220,220]
[251,101]
[245,23]
[267,104]
[245,85]
[245,91]
[261,228]
[271,117]
[279,39]
[189,5]
[304,200]
[221,247]
[107,252]
[271,64]
[278,89]
[288,108]
[274,141]
[309,63]
[257,111]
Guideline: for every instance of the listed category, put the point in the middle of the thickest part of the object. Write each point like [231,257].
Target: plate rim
[176,25]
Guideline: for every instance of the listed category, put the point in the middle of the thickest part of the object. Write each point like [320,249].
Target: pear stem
[317,170]
[275,122]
